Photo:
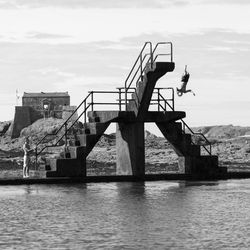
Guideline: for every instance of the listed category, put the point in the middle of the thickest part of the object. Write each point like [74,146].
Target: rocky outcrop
[4,126]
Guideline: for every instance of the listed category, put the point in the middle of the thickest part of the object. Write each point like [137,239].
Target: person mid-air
[184,80]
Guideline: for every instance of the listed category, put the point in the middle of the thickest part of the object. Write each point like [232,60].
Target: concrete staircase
[73,162]
[141,98]
[190,159]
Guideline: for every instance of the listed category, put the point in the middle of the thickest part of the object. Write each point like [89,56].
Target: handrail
[39,142]
[195,133]
[64,125]
[141,58]
[171,50]
[186,126]
[140,67]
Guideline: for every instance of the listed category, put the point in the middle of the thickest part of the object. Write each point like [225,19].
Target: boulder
[4,126]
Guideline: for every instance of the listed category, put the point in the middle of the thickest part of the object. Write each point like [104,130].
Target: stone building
[40,105]
[47,104]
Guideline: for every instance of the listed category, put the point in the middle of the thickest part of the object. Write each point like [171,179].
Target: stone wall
[24,116]
[56,104]
[67,111]
[36,102]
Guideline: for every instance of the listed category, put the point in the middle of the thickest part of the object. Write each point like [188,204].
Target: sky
[80,45]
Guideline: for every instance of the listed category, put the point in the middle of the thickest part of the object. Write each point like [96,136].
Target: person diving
[184,80]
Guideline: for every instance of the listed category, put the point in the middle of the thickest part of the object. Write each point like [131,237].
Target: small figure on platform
[184,80]
[26,158]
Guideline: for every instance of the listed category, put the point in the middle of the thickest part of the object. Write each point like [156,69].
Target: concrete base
[68,168]
[130,150]
[199,165]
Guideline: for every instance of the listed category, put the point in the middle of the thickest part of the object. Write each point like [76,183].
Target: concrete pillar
[205,165]
[130,149]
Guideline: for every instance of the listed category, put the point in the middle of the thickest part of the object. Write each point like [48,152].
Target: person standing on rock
[26,158]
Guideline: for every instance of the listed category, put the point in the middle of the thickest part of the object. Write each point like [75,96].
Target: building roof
[46,94]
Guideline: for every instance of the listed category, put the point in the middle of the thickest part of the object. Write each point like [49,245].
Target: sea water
[150,215]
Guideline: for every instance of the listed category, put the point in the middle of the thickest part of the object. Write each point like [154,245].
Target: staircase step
[149,68]
[194,150]
[66,168]
[159,69]
[110,116]
[88,141]
[204,165]
[140,89]
[135,99]
[132,106]
[142,84]
[77,152]
[172,130]
[51,164]
[95,127]
[187,139]
[85,140]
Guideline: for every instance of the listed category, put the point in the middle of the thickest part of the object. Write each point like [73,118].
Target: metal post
[141,66]
[92,100]
[66,140]
[158,91]
[171,51]
[173,98]
[85,118]
[125,96]
[120,106]
[151,56]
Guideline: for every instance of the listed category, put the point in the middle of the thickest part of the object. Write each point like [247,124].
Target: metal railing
[143,64]
[162,104]
[184,124]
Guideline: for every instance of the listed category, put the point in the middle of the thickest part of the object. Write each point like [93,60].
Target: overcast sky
[77,46]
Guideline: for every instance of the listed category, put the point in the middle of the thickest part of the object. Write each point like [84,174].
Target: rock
[4,126]
[149,135]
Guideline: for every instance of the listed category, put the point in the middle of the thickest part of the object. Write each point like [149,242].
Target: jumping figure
[184,80]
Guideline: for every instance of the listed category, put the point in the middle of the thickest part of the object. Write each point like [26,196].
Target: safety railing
[64,128]
[141,63]
[163,102]
[184,124]
[80,112]
[208,150]
[138,66]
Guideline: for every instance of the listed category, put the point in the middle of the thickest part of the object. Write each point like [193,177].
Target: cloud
[54,71]
[37,35]
[113,4]
[81,25]
[91,4]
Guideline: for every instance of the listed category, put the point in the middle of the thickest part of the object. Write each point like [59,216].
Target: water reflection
[151,215]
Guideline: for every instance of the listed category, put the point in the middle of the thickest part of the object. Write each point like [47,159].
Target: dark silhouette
[184,80]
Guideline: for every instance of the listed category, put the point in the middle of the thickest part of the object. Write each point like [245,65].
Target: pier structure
[130,111]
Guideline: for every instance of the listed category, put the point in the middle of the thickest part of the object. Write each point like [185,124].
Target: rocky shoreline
[230,143]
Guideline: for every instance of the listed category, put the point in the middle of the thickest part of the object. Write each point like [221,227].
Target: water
[152,215]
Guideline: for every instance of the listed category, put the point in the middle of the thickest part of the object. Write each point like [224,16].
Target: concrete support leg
[81,159]
[205,166]
[130,149]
